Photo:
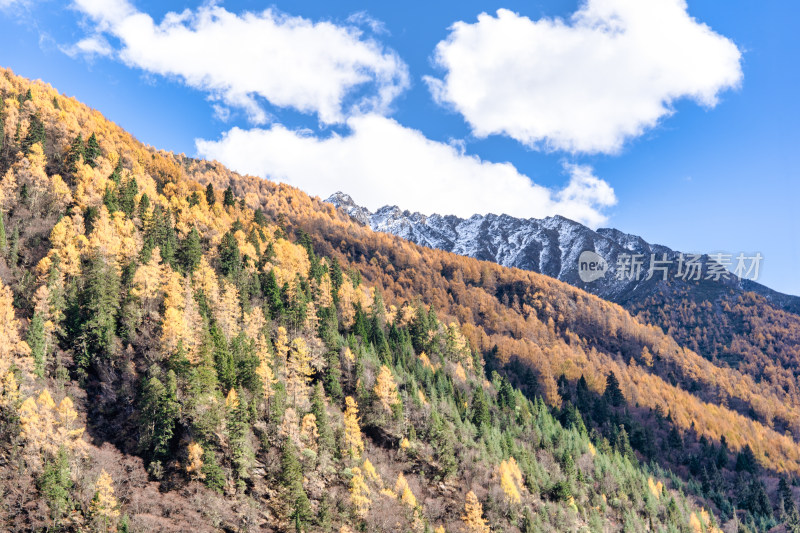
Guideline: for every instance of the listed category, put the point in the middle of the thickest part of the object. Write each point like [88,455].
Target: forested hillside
[185,348]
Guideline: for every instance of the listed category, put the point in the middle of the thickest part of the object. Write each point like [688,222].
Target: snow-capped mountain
[551,246]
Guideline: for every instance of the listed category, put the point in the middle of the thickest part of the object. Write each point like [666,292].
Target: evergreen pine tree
[746,461]
[213,476]
[191,251]
[228,199]
[211,197]
[326,440]
[127,197]
[613,394]
[36,133]
[100,305]
[92,151]
[55,483]
[158,411]
[76,152]
[480,409]
[229,255]
[785,497]
[291,478]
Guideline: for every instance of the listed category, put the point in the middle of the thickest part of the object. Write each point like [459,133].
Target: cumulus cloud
[319,68]
[382,162]
[95,45]
[586,84]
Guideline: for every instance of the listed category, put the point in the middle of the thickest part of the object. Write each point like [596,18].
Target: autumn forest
[186,348]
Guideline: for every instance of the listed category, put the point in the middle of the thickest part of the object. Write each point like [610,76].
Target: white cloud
[382,162]
[95,45]
[313,67]
[588,84]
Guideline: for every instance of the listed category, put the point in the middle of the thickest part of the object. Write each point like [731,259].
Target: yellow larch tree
[8,190]
[205,279]
[359,493]
[30,173]
[282,346]
[104,507]
[147,282]
[371,474]
[473,515]
[324,291]
[47,427]
[298,372]
[67,243]
[227,310]
[457,345]
[647,357]
[265,374]
[508,483]
[347,300]
[9,391]
[354,444]
[50,315]
[386,389]
[656,489]
[182,325]
[232,400]
[290,259]
[254,323]
[195,460]
[114,238]
[13,350]
[309,434]
[404,492]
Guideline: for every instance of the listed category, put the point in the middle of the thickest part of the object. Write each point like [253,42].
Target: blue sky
[715,173]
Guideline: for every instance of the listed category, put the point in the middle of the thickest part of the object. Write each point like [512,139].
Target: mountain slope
[734,323]
[550,246]
[177,357]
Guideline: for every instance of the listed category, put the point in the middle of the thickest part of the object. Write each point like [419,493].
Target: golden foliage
[232,400]
[352,432]
[473,515]
[308,431]
[511,480]
[9,390]
[114,238]
[12,347]
[656,488]
[386,389]
[47,427]
[402,489]
[371,474]
[227,310]
[67,243]
[359,493]
[298,372]
[195,455]
[104,507]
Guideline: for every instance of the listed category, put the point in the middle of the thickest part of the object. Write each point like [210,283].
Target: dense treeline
[185,348]
[743,332]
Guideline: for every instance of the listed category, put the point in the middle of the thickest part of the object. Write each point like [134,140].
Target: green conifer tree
[191,251]
[229,200]
[211,196]
[92,151]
